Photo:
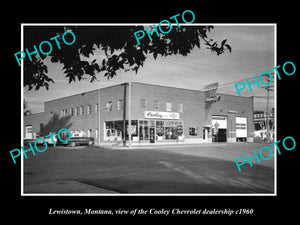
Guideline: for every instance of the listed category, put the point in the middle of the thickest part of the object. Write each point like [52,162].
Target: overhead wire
[196,67]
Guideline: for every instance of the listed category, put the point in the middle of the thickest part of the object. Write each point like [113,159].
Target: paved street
[203,168]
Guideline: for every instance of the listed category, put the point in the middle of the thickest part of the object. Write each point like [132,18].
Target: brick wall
[35,120]
[195,112]
[193,108]
[232,107]
[78,122]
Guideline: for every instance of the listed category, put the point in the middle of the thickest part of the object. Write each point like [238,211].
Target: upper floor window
[143,104]
[180,107]
[168,106]
[81,110]
[156,105]
[120,104]
[76,111]
[63,112]
[96,108]
[108,106]
[89,109]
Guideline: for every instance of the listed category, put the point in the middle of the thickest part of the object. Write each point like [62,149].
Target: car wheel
[73,144]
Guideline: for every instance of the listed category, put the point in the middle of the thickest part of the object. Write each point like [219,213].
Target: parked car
[26,141]
[49,140]
[80,141]
[41,142]
[77,139]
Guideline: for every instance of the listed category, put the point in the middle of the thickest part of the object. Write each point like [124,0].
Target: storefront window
[164,129]
[134,131]
[168,133]
[110,131]
[119,127]
[172,127]
[144,129]
[160,128]
[114,130]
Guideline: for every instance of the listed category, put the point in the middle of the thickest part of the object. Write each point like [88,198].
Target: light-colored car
[49,139]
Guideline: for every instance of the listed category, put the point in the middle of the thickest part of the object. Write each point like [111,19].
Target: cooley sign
[161,115]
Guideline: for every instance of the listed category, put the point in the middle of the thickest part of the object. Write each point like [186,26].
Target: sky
[253,49]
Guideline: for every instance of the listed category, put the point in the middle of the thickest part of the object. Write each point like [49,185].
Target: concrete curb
[147,146]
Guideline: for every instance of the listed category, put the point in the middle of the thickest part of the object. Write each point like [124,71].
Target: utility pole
[129,113]
[129,110]
[268,129]
[267,122]
[99,119]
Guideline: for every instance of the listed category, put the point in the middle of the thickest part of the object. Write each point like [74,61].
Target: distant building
[260,124]
[260,120]
[159,114]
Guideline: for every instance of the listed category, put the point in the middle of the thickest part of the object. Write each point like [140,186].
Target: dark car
[77,141]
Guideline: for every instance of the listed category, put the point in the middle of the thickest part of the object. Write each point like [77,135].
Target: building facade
[260,120]
[158,114]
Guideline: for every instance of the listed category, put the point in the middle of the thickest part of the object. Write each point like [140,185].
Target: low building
[158,114]
[260,120]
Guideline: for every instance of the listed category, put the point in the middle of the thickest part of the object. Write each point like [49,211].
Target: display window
[140,130]
[144,129]
[164,129]
[114,130]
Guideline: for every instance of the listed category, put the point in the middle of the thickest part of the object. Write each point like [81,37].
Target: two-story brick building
[158,114]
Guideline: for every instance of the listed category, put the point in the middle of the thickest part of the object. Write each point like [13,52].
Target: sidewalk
[158,145]
[63,187]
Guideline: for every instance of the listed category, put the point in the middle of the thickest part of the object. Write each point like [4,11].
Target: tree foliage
[118,43]
[56,123]
[26,111]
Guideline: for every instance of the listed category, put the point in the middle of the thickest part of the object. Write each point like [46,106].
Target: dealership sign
[161,115]
[210,93]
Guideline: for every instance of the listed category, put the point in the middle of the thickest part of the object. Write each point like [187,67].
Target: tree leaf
[223,42]
[228,47]
[109,40]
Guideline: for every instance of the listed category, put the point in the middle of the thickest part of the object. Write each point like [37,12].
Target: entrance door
[221,135]
[205,134]
[152,135]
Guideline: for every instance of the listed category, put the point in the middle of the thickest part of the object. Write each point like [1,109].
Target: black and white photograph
[144,111]
[181,113]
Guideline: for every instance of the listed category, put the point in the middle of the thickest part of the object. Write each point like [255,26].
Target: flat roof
[157,85]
